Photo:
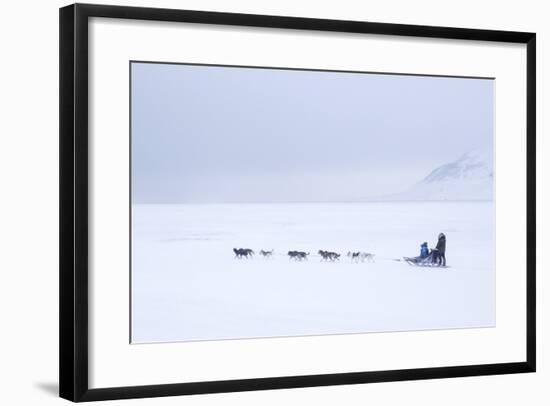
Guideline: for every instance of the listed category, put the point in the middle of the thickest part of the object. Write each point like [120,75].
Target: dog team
[358,256]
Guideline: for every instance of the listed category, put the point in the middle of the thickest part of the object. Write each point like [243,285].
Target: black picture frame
[73,277]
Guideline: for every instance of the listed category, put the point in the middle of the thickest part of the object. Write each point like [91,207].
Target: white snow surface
[187,284]
[470,177]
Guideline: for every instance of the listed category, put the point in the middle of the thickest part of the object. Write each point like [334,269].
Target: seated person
[424,251]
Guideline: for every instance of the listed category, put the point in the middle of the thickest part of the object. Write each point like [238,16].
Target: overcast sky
[221,134]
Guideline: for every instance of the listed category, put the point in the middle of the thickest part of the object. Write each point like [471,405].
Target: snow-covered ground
[187,284]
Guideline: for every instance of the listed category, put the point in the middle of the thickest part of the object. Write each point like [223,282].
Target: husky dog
[293,255]
[361,256]
[297,255]
[369,257]
[248,253]
[328,256]
[353,255]
[266,254]
[243,252]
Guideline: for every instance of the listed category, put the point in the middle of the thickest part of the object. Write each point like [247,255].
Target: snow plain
[187,285]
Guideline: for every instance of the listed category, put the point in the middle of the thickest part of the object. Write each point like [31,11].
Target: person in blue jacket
[424,251]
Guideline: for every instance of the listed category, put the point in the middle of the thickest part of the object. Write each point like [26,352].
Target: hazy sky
[221,134]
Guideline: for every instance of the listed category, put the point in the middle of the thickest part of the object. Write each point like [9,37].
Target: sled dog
[266,254]
[297,255]
[361,256]
[243,252]
[328,256]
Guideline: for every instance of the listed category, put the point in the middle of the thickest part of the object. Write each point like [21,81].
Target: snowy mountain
[470,177]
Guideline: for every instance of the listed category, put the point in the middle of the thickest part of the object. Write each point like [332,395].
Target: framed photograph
[257,202]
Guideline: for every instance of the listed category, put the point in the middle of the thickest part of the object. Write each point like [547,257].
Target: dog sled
[427,261]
